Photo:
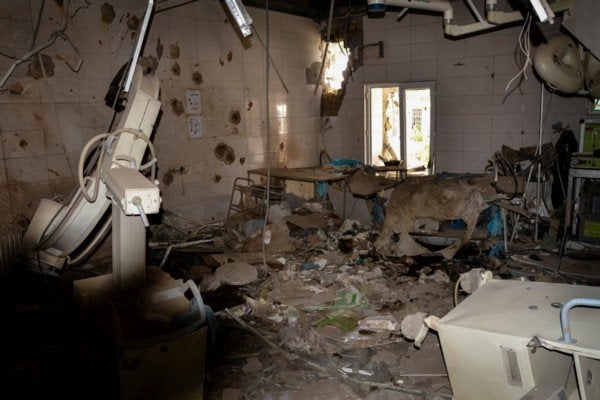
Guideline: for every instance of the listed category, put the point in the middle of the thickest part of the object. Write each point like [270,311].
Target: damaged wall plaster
[475,115]
[196,37]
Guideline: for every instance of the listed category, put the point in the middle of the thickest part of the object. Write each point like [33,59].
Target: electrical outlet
[195,128]
[179,169]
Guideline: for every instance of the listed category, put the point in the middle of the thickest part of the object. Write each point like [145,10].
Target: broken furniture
[241,200]
[519,168]
[575,218]
[399,169]
[432,200]
[368,187]
[317,177]
[250,200]
[523,340]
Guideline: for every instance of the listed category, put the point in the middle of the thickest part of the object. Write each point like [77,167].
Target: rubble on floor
[321,317]
[307,305]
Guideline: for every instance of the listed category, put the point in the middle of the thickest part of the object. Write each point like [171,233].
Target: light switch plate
[195,128]
[194,103]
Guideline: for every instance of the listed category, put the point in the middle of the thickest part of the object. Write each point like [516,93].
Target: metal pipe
[138,46]
[564,316]
[271,60]
[475,11]
[539,167]
[442,6]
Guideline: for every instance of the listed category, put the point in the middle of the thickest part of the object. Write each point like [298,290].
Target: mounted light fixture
[543,10]
[239,13]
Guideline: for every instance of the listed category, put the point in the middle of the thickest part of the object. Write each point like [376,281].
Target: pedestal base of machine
[159,335]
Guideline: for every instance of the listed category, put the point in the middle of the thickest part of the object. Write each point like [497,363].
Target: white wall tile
[23,143]
[475,161]
[26,170]
[448,141]
[449,161]
[396,72]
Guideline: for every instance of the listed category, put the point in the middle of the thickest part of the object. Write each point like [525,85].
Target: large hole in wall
[334,77]
[344,54]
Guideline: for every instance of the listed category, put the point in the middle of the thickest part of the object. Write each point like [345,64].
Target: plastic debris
[379,323]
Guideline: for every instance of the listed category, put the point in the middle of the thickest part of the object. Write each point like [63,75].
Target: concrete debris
[325,390]
[278,241]
[236,273]
[327,296]
[435,200]
[252,365]
[437,276]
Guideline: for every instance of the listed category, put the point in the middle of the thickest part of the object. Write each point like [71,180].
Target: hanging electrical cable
[266,236]
[525,47]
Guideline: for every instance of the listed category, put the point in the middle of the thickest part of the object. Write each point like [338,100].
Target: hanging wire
[525,47]
[266,232]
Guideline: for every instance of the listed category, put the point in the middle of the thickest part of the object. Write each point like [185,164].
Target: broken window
[399,126]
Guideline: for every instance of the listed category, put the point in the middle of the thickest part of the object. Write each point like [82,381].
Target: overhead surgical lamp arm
[442,6]
[494,18]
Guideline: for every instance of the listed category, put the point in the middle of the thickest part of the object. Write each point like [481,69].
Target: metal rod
[476,12]
[402,14]
[138,46]
[326,45]
[539,166]
[564,316]
[271,60]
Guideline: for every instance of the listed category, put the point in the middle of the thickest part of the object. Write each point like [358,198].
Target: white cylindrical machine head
[559,64]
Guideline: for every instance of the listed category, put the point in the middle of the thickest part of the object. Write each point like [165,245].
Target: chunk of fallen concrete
[438,200]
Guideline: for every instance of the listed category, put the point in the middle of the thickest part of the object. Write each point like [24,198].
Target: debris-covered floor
[315,314]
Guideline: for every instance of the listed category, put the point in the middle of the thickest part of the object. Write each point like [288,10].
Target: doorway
[399,125]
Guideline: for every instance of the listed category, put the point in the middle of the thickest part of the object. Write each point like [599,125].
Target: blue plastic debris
[339,162]
[495,226]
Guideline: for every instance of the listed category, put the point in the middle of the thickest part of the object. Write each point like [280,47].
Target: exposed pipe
[564,316]
[475,11]
[539,166]
[442,6]
[271,60]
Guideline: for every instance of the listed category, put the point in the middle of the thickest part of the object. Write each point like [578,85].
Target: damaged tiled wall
[44,125]
[475,115]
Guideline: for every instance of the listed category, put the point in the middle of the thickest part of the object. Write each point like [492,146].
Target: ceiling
[314,9]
